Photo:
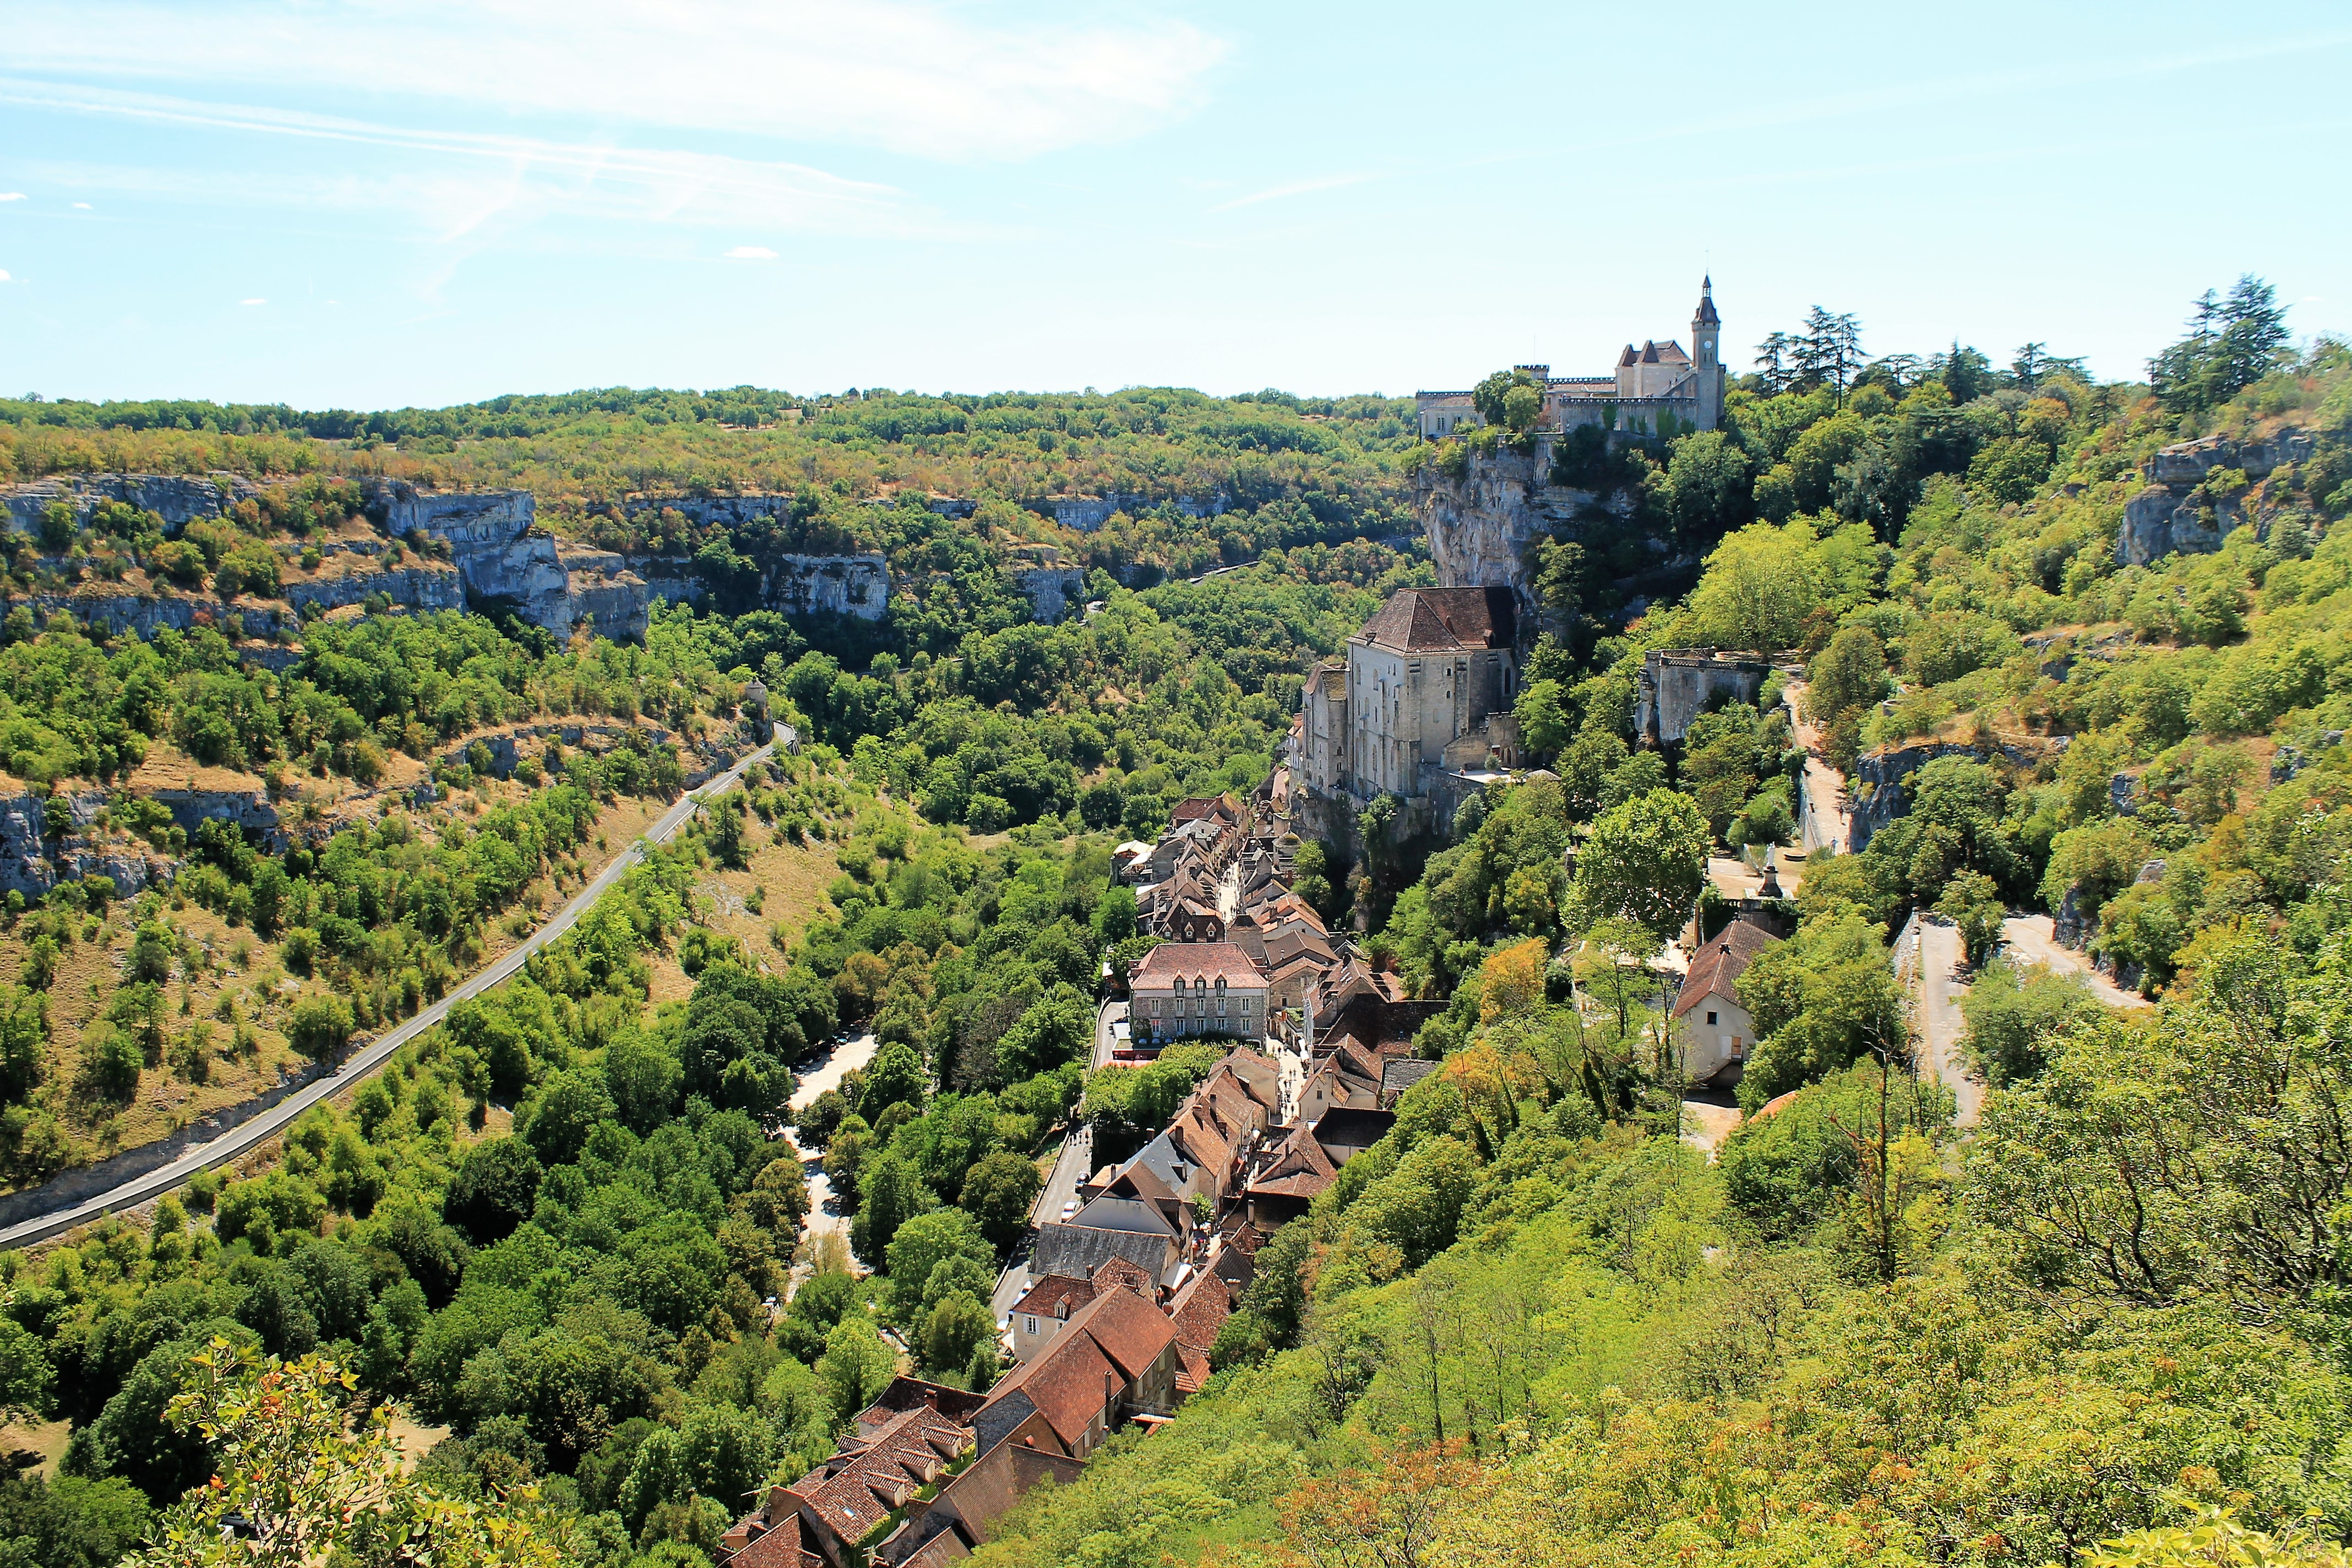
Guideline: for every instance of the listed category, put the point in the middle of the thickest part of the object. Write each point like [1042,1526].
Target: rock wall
[856,585]
[501,552]
[176,498]
[2174,516]
[1052,590]
[251,809]
[1877,791]
[1678,685]
[1482,526]
[1086,513]
[429,586]
[31,864]
[122,611]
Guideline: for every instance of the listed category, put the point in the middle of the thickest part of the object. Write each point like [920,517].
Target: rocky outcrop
[1052,590]
[501,553]
[1084,514]
[854,585]
[251,809]
[120,611]
[32,861]
[1876,789]
[1483,524]
[468,517]
[177,499]
[415,587]
[2179,514]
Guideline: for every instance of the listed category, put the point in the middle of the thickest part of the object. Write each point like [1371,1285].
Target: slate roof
[1716,970]
[1444,620]
[1079,1249]
[1706,316]
[1299,1169]
[1352,1127]
[1401,1073]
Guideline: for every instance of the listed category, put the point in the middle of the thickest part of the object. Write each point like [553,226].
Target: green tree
[998,1192]
[1644,861]
[856,1366]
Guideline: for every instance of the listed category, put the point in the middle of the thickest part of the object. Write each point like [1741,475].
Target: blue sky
[322,201]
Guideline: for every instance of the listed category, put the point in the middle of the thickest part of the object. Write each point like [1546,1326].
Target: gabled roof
[1716,970]
[1199,1311]
[1401,1073]
[864,1488]
[1106,1345]
[1444,620]
[1195,961]
[1299,1169]
[1078,1250]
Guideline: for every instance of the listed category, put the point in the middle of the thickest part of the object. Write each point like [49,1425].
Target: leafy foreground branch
[296,1485]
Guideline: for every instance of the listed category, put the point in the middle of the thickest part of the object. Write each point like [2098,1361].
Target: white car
[1068,1209]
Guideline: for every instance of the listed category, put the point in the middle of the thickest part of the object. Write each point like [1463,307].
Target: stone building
[1430,671]
[1186,989]
[1656,390]
[1716,1028]
[1678,685]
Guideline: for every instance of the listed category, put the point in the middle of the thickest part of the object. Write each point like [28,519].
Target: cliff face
[2178,514]
[31,863]
[176,498]
[856,585]
[1483,525]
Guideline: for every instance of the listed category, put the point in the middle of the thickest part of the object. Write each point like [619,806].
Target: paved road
[825,1215]
[239,1139]
[1073,1165]
[1106,1037]
[1828,817]
[1936,979]
[2032,939]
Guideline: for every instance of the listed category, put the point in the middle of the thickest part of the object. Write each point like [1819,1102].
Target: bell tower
[1706,357]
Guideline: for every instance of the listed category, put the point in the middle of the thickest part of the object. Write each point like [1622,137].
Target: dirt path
[1826,816]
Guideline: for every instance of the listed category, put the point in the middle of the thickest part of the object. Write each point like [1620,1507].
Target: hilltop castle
[1657,389]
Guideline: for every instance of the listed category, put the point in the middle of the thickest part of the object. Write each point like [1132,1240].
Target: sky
[331,203]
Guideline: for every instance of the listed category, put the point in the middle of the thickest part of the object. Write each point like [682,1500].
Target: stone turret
[1707,355]
[755,708]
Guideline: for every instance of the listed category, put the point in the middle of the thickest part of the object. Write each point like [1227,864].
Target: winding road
[356,1069]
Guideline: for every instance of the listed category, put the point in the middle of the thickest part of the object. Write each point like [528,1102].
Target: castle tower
[1706,357]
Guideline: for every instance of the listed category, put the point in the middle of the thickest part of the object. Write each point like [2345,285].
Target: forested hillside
[1533,1325]
[1539,1320]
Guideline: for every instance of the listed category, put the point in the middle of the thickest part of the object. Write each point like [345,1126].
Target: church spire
[1706,316]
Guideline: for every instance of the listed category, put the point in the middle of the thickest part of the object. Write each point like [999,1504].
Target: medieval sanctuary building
[1427,689]
[1657,389]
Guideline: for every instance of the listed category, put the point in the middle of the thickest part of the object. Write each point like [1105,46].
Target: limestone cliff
[2179,514]
[177,499]
[856,585]
[1483,524]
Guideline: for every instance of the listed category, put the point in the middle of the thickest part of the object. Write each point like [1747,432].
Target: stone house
[1715,1030]
[1115,1358]
[1657,389]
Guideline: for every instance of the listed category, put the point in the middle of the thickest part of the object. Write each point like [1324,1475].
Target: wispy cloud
[12,196]
[1297,188]
[937,81]
[3,276]
[750,253]
[489,176]
[253,301]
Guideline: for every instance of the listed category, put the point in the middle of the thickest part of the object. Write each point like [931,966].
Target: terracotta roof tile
[1433,620]
[1716,970]
[1191,960]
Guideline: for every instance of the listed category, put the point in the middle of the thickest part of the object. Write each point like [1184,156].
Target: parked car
[1068,1209]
